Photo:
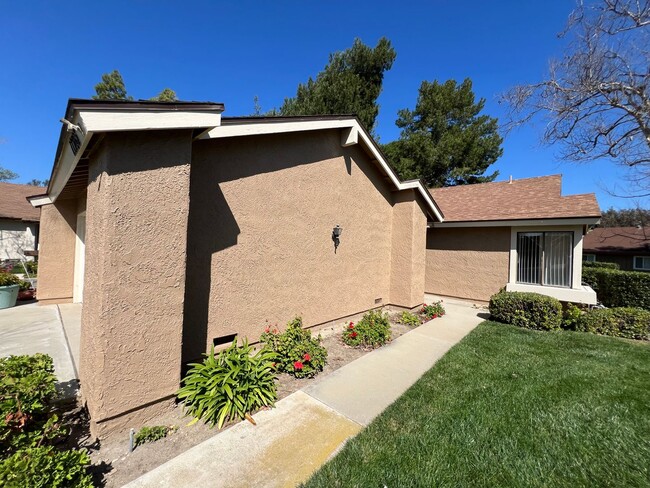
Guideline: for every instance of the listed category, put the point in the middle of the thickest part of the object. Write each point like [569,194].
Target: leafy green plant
[628,322]
[529,310]
[45,467]
[229,385]
[152,434]
[599,264]
[408,318]
[297,352]
[373,330]
[433,310]
[616,288]
[570,316]
[8,279]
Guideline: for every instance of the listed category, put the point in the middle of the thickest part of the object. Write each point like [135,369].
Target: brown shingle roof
[618,239]
[529,198]
[14,204]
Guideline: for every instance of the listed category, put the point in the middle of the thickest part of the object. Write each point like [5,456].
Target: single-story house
[521,235]
[179,229]
[18,221]
[629,247]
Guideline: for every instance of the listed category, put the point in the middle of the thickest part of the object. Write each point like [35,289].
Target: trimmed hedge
[630,323]
[598,264]
[616,288]
[529,310]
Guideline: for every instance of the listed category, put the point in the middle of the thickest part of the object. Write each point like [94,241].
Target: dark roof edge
[142,105]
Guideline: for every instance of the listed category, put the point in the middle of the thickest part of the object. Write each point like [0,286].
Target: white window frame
[645,267]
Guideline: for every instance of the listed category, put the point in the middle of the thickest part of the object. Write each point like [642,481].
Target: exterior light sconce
[336,233]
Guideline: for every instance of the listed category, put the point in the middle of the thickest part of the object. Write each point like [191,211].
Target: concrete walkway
[28,329]
[308,427]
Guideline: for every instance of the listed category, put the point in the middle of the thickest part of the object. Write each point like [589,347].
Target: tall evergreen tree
[7,174]
[350,83]
[445,141]
[167,95]
[111,87]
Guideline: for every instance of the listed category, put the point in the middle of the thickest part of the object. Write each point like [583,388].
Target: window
[642,263]
[545,258]
[590,258]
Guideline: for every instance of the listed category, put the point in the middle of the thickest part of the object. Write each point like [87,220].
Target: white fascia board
[67,161]
[112,121]
[519,223]
[39,200]
[355,132]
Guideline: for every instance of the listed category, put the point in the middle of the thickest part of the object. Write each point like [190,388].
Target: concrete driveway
[28,329]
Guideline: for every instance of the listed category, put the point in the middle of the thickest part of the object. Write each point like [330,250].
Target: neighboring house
[629,247]
[520,234]
[180,229]
[18,221]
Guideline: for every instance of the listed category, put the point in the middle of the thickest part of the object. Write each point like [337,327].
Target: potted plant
[9,286]
[26,291]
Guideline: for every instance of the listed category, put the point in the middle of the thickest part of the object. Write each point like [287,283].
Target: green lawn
[512,407]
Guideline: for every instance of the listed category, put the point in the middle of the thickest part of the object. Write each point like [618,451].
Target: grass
[512,407]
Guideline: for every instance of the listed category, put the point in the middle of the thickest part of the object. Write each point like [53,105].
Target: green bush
[229,385]
[45,467]
[571,316]
[27,390]
[600,265]
[616,288]
[630,323]
[408,318]
[530,310]
[373,330]
[152,434]
[298,353]
[8,279]
[432,311]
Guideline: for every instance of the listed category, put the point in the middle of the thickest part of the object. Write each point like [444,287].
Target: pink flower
[307,357]
[297,365]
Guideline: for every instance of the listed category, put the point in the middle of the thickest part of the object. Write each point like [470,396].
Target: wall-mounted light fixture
[336,233]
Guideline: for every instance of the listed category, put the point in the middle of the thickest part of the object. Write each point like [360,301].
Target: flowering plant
[298,353]
[432,311]
[373,330]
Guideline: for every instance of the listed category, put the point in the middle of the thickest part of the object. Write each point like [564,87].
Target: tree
[350,83]
[445,141]
[629,217]
[7,174]
[111,87]
[596,100]
[36,182]
[167,95]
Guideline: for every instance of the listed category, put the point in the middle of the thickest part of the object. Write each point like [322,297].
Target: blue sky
[232,51]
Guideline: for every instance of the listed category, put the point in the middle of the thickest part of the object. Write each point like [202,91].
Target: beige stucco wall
[261,219]
[56,251]
[408,254]
[470,263]
[136,230]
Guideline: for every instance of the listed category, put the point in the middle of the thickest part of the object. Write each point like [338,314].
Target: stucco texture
[471,263]
[136,241]
[56,251]
[261,218]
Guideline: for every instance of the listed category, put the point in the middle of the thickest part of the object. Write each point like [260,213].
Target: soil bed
[114,466]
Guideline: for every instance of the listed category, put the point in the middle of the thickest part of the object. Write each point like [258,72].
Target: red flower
[297,365]
[350,326]
[267,329]
[307,357]
[435,316]
[353,335]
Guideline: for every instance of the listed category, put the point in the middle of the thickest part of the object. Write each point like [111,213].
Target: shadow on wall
[212,226]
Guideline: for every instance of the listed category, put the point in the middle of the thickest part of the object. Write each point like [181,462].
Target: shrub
[373,330]
[571,316]
[616,288]
[298,353]
[27,389]
[408,318]
[630,323]
[8,279]
[152,434]
[45,467]
[229,385]
[530,310]
[432,311]
[601,265]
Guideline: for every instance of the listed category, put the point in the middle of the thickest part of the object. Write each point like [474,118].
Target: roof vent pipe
[510,179]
